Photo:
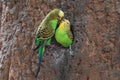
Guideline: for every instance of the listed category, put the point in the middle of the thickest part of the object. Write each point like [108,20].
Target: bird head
[57,14]
[60,14]
[64,24]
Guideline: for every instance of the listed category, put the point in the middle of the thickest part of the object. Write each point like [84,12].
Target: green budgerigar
[64,35]
[45,32]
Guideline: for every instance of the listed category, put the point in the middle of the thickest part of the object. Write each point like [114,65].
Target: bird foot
[51,45]
[71,52]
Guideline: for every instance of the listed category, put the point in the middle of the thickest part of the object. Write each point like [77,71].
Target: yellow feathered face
[64,24]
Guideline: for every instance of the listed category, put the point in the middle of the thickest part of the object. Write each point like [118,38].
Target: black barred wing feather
[46,32]
[70,35]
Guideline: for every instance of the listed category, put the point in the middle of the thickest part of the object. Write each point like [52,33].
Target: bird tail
[41,52]
[34,49]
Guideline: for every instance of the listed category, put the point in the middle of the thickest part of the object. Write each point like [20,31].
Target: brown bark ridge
[96,48]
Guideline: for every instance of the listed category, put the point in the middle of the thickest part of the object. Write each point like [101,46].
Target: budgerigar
[64,35]
[45,32]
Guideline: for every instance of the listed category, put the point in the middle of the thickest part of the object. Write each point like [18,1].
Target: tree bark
[96,47]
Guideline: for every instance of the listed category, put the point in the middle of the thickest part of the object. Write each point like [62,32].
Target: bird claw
[51,45]
[71,52]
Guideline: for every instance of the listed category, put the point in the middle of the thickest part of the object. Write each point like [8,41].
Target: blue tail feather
[41,52]
[40,61]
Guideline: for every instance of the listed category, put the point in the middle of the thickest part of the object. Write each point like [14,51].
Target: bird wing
[69,33]
[45,32]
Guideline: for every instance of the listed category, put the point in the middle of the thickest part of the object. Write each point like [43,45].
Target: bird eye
[58,17]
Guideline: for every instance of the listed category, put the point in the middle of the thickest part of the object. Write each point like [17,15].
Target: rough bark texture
[96,48]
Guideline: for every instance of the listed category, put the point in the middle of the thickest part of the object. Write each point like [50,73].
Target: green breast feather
[53,24]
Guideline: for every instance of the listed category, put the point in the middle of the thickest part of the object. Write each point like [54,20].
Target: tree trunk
[96,47]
